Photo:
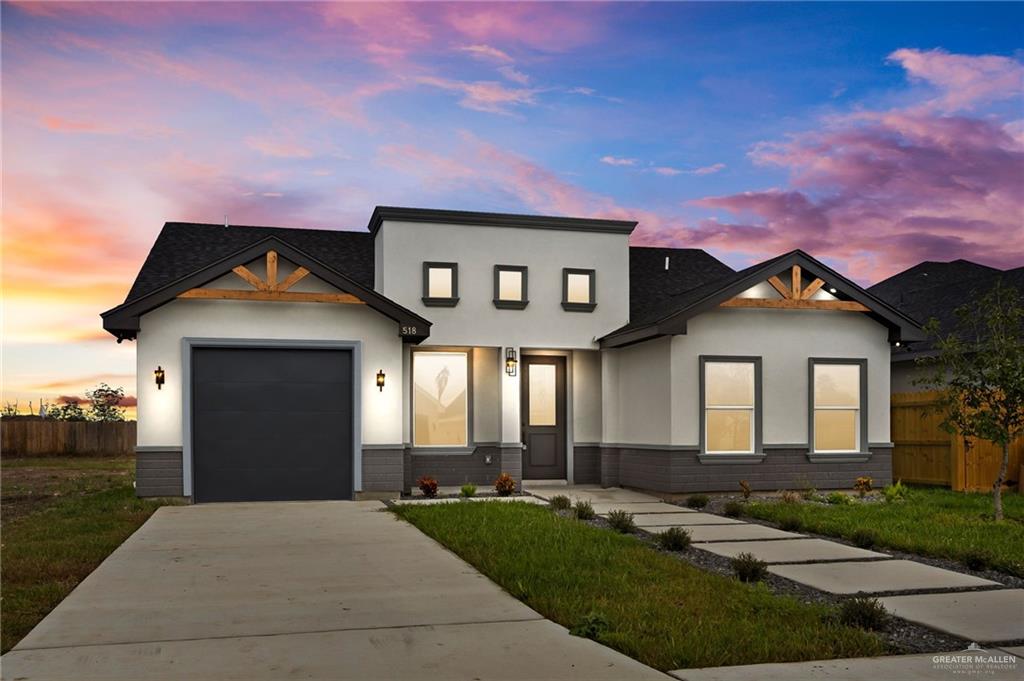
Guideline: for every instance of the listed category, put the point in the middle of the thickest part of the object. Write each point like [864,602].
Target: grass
[649,605]
[61,518]
[930,522]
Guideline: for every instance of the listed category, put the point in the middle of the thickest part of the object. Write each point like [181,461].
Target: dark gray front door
[543,416]
[271,424]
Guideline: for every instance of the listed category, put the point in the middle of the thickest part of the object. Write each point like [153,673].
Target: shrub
[560,502]
[674,539]
[896,492]
[748,568]
[468,490]
[583,510]
[808,494]
[697,500]
[977,559]
[791,523]
[505,485]
[862,485]
[734,509]
[621,521]
[591,626]
[428,486]
[864,538]
[787,497]
[864,613]
[838,499]
[745,489]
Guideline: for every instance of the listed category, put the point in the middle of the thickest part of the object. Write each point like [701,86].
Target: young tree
[105,403]
[979,373]
[71,411]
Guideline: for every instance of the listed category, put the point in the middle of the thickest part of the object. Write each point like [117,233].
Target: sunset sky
[873,135]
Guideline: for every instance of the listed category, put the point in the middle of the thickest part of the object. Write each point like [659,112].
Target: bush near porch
[646,604]
[929,522]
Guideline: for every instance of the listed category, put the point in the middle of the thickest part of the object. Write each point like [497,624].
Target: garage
[271,424]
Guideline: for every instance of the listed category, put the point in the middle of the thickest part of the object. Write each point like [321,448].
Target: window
[837,405]
[440,399]
[440,284]
[730,396]
[578,290]
[510,287]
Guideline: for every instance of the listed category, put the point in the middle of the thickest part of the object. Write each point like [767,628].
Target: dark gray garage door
[271,424]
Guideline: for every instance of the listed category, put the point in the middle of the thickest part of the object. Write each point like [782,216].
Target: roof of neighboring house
[670,314]
[937,289]
[185,247]
[463,217]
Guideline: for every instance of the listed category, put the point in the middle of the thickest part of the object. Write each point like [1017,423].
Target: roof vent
[666,263]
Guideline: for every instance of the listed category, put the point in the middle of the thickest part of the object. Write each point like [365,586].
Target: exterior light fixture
[510,362]
[832,289]
[380,379]
[897,343]
[158,376]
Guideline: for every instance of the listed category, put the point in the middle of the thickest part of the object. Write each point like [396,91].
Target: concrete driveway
[337,590]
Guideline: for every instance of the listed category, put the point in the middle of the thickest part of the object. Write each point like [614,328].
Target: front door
[543,416]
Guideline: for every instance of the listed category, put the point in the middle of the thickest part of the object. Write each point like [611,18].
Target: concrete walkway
[324,590]
[969,607]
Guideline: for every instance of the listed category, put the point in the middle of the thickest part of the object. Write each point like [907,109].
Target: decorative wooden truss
[270,289]
[794,297]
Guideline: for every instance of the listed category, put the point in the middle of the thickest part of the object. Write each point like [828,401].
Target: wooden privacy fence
[923,452]
[32,436]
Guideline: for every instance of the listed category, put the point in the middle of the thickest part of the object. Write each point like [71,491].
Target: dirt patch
[30,485]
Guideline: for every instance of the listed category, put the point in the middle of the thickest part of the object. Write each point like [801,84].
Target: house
[936,290]
[302,364]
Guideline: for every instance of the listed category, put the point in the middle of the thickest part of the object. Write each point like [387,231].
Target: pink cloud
[486,96]
[964,81]
[487,52]
[618,161]
[708,170]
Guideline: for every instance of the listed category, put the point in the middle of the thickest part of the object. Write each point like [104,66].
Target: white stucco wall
[637,397]
[586,396]
[403,247]
[160,343]
[784,339]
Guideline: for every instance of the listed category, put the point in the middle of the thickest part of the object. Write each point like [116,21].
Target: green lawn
[61,518]
[932,522]
[658,609]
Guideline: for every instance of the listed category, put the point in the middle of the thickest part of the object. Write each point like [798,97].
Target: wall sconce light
[158,376]
[380,380]
[510,362]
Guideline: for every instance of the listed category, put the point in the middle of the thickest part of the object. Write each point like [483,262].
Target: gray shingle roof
[651,286]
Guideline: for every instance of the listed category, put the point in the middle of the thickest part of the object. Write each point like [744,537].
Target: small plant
[864,538]
[862,485]
[745,489]
[788,497]
[621,521]
[591,626]
[468,490]
[864,613]
[560,502]
[733,509]
[505,485]
[428,486]
[697,500]
[748,568]
[838,499]
[583,510]
[809,494]
[977,559]
[674,539]
[791,523]
[896,492]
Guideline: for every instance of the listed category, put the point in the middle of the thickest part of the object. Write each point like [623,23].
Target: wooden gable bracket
[270,289]
[794,297]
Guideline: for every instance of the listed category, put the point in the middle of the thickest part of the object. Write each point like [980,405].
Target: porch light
[158,376]
[510,362]
[832,289]
[380,379]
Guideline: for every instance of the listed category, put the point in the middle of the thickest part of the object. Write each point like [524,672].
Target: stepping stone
[635,507]
[977,616]
[656,520]
[875,577]
[740,532]
[902,667]
[792,550]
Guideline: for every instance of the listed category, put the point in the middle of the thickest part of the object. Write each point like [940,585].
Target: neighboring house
[936,289]
[301,364]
